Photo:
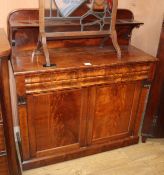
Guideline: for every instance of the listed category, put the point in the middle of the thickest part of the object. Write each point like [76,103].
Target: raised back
[23,30]
[100,12]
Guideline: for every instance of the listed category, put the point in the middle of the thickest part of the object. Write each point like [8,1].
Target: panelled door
[113,111]
[64,121]
[56,121]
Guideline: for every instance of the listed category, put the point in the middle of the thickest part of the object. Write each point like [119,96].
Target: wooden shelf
[75,22]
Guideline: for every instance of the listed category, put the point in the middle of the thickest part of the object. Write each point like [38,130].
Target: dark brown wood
[77,109]
[119,116]
[99,58]
[142,107]
[2,139]
[25,150]
[60,119]
[45,34]
[85,151]
[8,158]
[19,25]
[57,102]
[4,170]
[154,118]
[0,114]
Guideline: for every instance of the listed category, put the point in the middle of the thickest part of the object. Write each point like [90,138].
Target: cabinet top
[4,44]
[74,58]
[75,55]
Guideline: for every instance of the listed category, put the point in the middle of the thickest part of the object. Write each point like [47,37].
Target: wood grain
[56,115]
[2,139]
[76,57]
[73,109]
[21,22]
[112,115]
[10,163]
[3,165]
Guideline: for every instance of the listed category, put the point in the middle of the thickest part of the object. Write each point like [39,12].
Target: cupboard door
[113,111]
[56,121]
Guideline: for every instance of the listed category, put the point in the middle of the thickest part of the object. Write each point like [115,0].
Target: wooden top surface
[76,57]
[4,44]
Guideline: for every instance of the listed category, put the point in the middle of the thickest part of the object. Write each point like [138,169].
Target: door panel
[114,111]
[56,121]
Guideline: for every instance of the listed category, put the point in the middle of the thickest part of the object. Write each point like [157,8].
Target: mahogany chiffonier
[90,102]
[8,156]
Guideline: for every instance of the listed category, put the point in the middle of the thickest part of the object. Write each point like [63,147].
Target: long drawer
[2,141]
[3,165]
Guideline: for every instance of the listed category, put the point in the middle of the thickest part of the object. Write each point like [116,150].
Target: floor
[141,159]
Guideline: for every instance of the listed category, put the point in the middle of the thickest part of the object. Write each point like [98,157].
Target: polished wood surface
[82,33]
[61,119]
[24,23]
[89,103]
[154,119]
[0,114]
[119,116]
[8,157]
[77,57]
[73,110]
[2,139]
[4,166]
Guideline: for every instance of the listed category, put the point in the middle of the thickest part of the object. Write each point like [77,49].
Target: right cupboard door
[112,111]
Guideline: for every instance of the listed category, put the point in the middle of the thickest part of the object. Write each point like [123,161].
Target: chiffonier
[90,102]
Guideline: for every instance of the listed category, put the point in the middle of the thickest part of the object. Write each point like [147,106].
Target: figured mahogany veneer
[75,109]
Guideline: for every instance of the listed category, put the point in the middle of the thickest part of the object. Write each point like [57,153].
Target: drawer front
[2,141]
[3,165]
[45,82]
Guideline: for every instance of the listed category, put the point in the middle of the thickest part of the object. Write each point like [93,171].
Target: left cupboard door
[56,122]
